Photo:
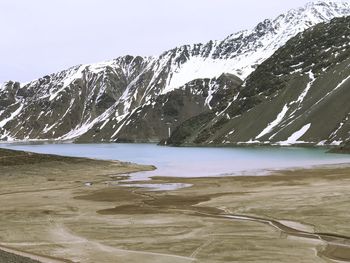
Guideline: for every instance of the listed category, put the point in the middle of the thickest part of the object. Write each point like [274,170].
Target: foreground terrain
[77,210]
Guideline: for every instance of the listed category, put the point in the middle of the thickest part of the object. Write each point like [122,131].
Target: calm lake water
[194,162]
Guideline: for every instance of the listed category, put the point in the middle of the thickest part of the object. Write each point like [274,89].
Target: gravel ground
[6,257]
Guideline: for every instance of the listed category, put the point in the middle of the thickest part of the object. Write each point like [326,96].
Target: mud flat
[74,210]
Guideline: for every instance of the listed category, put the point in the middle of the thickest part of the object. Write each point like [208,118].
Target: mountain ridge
[94,97]
[297,96]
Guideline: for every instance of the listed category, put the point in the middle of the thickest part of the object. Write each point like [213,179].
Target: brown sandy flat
[291,216]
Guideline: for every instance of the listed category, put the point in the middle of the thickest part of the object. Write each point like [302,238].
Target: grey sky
[39,37]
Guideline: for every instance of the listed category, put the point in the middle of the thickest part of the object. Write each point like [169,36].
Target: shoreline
[25,159]
[51,211]
[260,170]
[331,148]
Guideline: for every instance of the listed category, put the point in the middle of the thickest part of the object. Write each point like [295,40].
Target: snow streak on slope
[273,124]
[13,115]
[309,85]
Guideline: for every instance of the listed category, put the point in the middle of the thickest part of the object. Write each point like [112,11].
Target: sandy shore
[48,209]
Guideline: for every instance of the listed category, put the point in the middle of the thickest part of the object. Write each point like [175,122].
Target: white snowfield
[254,50]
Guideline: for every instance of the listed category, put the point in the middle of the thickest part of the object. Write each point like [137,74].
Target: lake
[193,161]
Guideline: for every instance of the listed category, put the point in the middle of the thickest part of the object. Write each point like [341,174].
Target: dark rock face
[343,148]
[300,94]
[155,120]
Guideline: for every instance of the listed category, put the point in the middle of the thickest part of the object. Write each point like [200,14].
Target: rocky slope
[159,116]
[299,95]
[143,98]
[343,148]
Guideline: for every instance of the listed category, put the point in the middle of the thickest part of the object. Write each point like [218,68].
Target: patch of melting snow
[322,143]
[13,115]
[305,92]
[274,123]
[336,143]
[211,91]
[293,139]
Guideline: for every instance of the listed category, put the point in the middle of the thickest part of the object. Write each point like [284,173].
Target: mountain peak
[240,53]
[114,90]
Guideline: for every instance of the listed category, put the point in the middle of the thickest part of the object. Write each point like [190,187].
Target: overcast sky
[39,37]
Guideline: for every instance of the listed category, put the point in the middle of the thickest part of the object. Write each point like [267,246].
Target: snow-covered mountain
[101,100]
[240,53]
[300,95]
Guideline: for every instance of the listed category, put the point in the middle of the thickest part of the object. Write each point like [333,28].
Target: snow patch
[12,116]
[199,68]
[274,123]
[322,143]
[75,74]
[305,92]
[293,139]
[336,143]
